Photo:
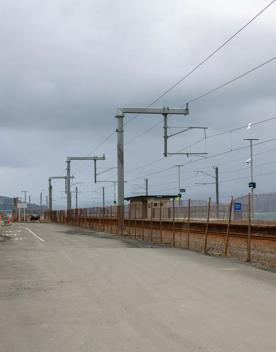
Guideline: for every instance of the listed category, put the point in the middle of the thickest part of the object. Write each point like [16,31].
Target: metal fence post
[173,224]
[207,225]
[160,222]
[151,222]
[249,229]
[189,221]
[135,222]
[129,219]
[143,228]
[228,227]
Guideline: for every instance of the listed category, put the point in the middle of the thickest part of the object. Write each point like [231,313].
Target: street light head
[248,161]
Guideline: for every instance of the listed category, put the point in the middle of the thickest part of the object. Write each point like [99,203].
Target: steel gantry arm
[50,188]
[68,170]
[120,146]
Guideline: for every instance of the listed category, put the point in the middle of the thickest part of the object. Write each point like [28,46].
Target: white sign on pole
[21,205]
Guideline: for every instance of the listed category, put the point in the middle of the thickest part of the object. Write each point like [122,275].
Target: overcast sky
[67,65]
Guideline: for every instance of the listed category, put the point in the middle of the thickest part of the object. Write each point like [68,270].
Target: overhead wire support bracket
[186,129]
[120,114]
[104,171]
[68,170]
[189,154]
[205,183]
[183,130]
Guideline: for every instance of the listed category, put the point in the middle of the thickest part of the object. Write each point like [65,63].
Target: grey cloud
[66,66]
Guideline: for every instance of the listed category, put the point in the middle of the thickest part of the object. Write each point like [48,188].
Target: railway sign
[21,205]
[237,206]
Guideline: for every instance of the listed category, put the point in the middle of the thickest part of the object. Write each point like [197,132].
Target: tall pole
[251,176]
[147,186]
[25,196]
[165,111]
[50,195]
[251,173]
[68,172]
[217,190]
[50,190]
[179,181]
[95,171]
[114,191]
[29,204]
[178,173]
[68,188]
[76,191]
[40,203]
[120,171]
[165,135]
[103,197]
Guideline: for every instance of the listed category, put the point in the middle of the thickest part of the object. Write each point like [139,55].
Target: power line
[212,136]
[228,131]
[100,144]
[246,177]
[105,140]
[228,180]
[203,139]
[144,132]
[207,157]
[210,55]
[206,94]
[157,185]
[229,82]
[189,73]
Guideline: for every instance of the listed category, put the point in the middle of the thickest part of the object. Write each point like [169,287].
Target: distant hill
[265,202]
[6,205]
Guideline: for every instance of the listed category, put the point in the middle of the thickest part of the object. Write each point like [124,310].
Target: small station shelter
[147,207]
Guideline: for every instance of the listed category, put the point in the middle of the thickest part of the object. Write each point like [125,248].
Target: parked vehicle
[34,217]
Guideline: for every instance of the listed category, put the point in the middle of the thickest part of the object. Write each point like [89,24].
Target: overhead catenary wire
[255,68]
[232,130]
[228,180]
[205,94]
[174,182]
[218,134]
[209,92]
[211,136]
[207,157]
[213,53]
[223,85]
[189,73]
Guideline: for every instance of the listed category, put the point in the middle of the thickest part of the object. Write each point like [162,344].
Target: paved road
[63,289]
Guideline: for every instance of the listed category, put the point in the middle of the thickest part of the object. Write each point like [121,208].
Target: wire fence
[256,209]
[225,229]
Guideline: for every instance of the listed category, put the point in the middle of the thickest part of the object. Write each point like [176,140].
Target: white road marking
[9,234]
[228,269]
[34,234]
